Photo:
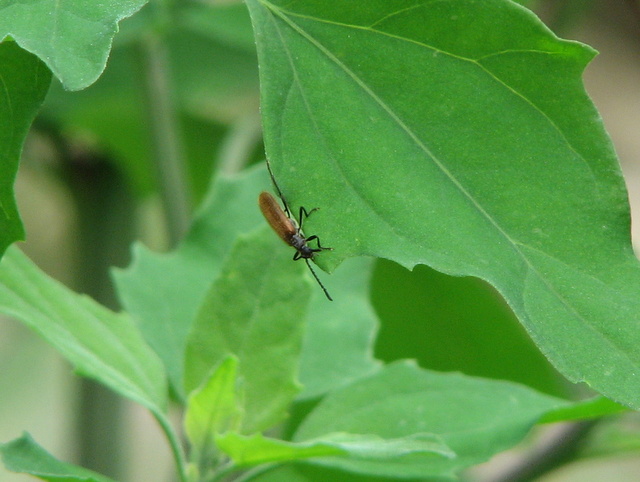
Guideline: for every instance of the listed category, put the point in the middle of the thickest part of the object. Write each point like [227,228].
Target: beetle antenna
[318,279]
[280,195]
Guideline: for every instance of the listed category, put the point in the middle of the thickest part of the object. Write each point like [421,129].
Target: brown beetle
[289,231]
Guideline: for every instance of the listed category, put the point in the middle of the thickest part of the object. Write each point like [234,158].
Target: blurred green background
[87,187]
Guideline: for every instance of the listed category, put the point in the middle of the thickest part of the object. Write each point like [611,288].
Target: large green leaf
[255,311]
[458,134]
[100,344]
[24,455]
[24,81]
[475,418]
[72,38]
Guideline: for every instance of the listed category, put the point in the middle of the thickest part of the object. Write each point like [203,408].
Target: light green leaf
[458,134]
[100,344]
[257,449]
[24,455]
[166,306]
[587,409]
[475,418]
[213,408]
[25,81]
[339,338]
[72,38]
[256,311]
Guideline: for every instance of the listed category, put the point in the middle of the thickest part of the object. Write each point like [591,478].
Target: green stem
[560,449]
[174,443]
[165,131]
[237,146]
[104,232]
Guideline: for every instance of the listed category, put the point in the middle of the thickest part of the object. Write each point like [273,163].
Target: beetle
[290,231]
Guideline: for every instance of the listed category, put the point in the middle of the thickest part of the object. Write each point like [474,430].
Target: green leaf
[24,81]
[301,472]
[72,38]
[456,324]
[213,408]
[102,345]
[587,409]
[458,134]
[24,455]
[256,311]
[339,338]
[257,449]
[475,418]
[166,306]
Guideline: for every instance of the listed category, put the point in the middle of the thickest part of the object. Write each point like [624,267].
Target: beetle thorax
[299,242]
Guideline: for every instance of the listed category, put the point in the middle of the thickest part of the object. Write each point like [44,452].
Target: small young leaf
[256,311]
[73,39]
[475,418]
[213,408]
[102,345]
[25,81]
[257,449]
[24,455]
[458,134]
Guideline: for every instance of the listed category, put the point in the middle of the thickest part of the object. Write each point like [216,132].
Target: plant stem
[174,443]
[104,231]
[236,148]
[558,450]
[165,134]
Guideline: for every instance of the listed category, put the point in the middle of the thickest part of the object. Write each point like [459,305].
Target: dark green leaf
[24,455]
[458,134]
[452,323]
[24,81]
[476,418]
